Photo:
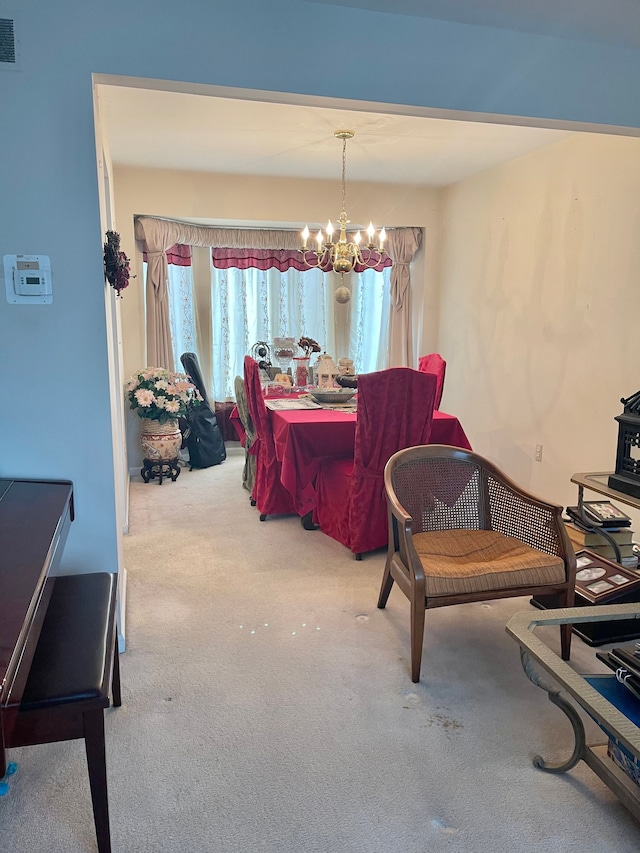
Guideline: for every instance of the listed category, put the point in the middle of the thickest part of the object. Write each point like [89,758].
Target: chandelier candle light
[343,254]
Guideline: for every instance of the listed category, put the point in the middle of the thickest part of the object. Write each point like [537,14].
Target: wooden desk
[35,516]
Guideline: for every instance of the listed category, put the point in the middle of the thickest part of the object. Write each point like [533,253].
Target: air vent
[7,41]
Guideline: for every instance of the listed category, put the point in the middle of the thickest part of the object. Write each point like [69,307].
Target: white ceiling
[198,132]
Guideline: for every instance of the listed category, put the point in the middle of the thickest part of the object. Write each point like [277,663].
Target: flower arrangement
[116,263]
[308,345]
[159,395]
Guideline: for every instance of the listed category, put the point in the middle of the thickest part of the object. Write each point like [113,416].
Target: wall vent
[7,42]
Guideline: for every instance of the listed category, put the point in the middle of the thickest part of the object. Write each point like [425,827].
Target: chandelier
[342,254]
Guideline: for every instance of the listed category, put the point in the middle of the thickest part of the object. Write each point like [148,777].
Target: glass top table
[546,670]
[598,481]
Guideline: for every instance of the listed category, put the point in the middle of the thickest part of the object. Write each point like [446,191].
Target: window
[181,312]
[247,306]
[258,305]
[369,322]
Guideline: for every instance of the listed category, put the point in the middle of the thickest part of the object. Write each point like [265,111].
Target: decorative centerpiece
[283,350]
[160,397]
[325,371]
[627,475]
[345,366]
[302,375]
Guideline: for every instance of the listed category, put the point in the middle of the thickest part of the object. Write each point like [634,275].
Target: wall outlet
[538,453]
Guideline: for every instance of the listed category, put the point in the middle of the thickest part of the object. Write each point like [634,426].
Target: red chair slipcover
[395,410]
[434,363]
[270,495]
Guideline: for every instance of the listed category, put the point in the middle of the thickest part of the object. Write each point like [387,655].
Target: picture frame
[599,580]
[605,513]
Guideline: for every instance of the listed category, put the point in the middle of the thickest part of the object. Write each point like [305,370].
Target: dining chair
[461,531]
[395,410]
[434,363]
[269,495]
[249,470]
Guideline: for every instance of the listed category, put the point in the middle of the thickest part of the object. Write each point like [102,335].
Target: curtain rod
[245,227]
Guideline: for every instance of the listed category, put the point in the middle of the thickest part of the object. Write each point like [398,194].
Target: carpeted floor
[268,708]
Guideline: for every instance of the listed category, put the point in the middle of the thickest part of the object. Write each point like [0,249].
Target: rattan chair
[461,531]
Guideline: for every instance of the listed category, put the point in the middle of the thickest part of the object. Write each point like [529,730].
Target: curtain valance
[159,235]
[179,256]
[280,259]
[167,232]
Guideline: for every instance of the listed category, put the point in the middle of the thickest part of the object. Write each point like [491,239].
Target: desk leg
[579,748]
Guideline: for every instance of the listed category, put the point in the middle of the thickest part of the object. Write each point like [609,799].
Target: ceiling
[199,132]
[606,21]
[248,135]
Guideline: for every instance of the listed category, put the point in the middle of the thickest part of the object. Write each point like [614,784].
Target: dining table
[304,437]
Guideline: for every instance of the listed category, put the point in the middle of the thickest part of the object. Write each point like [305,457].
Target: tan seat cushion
[463,561]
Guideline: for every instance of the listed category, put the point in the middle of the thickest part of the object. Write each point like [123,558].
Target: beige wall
[539,307]
[253,201]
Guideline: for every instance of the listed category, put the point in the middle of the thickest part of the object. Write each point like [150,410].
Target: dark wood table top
[34,521]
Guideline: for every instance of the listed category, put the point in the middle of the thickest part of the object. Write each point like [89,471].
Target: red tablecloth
[302,438]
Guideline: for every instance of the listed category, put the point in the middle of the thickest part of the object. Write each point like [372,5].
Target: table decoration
[333,395]
[325,372]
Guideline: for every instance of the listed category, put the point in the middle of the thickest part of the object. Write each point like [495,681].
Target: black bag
[204,440]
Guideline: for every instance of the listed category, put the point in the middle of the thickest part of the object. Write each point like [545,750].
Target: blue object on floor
[4,785]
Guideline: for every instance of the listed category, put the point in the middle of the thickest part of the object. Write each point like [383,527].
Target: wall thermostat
[27,279]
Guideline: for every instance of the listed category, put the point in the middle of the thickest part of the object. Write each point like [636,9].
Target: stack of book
[625,662]
[586,537]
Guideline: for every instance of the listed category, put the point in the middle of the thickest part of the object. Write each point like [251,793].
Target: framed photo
[599,580]
[606,513]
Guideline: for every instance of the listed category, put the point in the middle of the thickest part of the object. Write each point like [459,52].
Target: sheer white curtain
[369,321]
[182,320]
[255,305]
[258,305]
[182,323]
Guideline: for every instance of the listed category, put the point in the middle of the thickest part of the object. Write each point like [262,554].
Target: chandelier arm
[319,256]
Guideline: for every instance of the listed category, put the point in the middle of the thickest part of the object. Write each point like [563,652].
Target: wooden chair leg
[97,764]
[417,636]
[385,587]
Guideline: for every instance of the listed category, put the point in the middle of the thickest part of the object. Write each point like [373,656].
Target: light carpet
[268,708]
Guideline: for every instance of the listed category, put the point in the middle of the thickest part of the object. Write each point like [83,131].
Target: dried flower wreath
[116,263]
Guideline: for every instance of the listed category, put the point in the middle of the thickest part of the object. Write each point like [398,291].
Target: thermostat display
[28,279]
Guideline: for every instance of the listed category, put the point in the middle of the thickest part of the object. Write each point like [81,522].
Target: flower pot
[160,442]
